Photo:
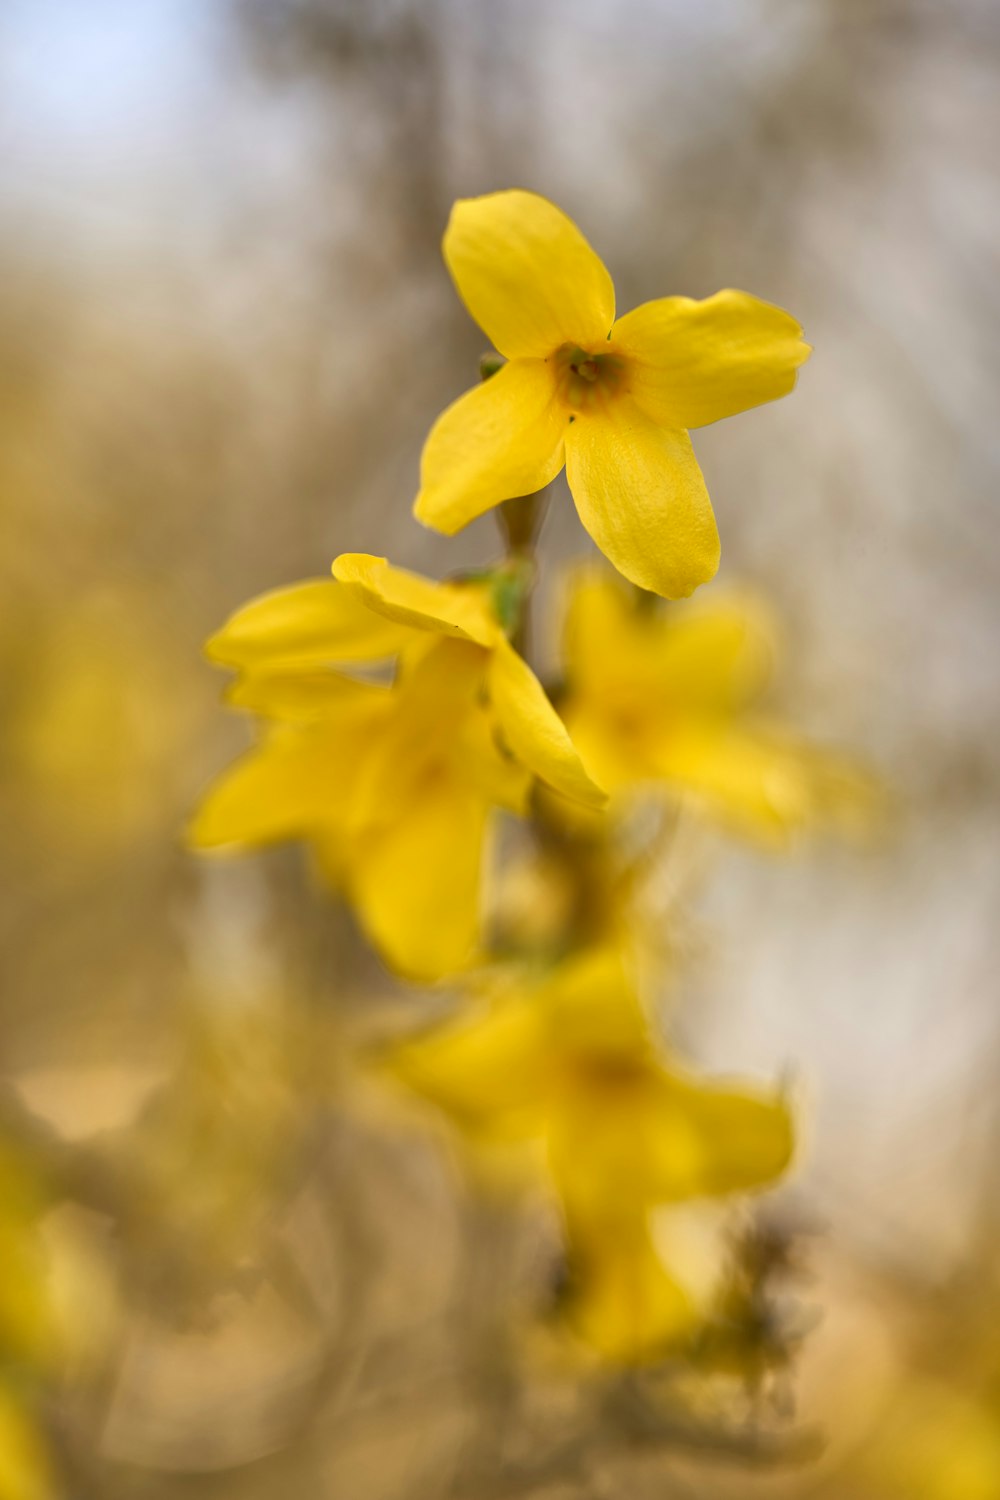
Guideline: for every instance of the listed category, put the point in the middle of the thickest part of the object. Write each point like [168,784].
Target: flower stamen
[585,379]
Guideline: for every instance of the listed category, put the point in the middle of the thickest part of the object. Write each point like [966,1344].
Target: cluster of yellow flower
[398,720]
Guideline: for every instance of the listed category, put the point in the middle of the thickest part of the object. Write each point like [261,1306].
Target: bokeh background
[225,328]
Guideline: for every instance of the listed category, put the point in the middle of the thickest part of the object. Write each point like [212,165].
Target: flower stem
[520,521]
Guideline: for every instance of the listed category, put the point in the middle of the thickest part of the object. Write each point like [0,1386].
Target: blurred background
[225,329]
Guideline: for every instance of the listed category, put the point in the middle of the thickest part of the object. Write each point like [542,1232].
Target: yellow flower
[27,1324]
[621,1298]
[98,714]
[570,1063]
[611,398]
[54,1292]
[394,785]
[25,1472]
[664,698]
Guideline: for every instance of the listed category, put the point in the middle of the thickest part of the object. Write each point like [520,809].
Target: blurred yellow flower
[620,1297]
[611,398]
[665,698]
[25,1473]
[56,1297]
[395,785]
[569,1062]
[27,1325]
[98,713]
[933,1442]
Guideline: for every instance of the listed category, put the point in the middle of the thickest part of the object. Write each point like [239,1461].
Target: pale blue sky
[77,70]
[104,106]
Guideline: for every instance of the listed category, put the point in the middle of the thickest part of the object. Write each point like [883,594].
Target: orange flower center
[585,379]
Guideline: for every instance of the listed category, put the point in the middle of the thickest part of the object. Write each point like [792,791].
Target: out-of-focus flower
[32,1332]
[622,1297]
[612,399]
[25,1473]
[216,1148]
[26,1315]
[97,716]
[665,699]
[395,785]
[934,1442]
[569,1062]
[56,1303]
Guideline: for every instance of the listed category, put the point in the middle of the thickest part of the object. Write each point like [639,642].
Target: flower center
[585,379]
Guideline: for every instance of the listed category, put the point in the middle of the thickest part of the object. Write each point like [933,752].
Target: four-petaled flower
[570,1062]
[611,398]
[663,698]
[394,784]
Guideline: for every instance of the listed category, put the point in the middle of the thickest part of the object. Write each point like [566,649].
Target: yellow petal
[640,493]
[767,785]
[745,1139]
[312,622]
[25,1472]
[274,792]
[693,362]
[486,1071]
[416,882]
[503,438]
[500,777]
[616,758]
[296,781]
[533,729]
[591,1006]
[298,694]
[654,1138]
[710,656]
[616,697]
[622,1299]
[526,274]
[452,609]
[716,654]
[603,638]
[423,732]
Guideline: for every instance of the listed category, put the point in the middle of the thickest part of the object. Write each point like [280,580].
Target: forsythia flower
[621,1297]
[30,1331]
[25,1473]
[664,697]
[570,1062]
[394,785]
[611,398]
[27,1323]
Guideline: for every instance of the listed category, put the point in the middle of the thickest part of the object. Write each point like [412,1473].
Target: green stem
[520,521]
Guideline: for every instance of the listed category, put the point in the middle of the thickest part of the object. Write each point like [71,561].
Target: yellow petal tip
[423,512]
[214,650]
[350,566]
